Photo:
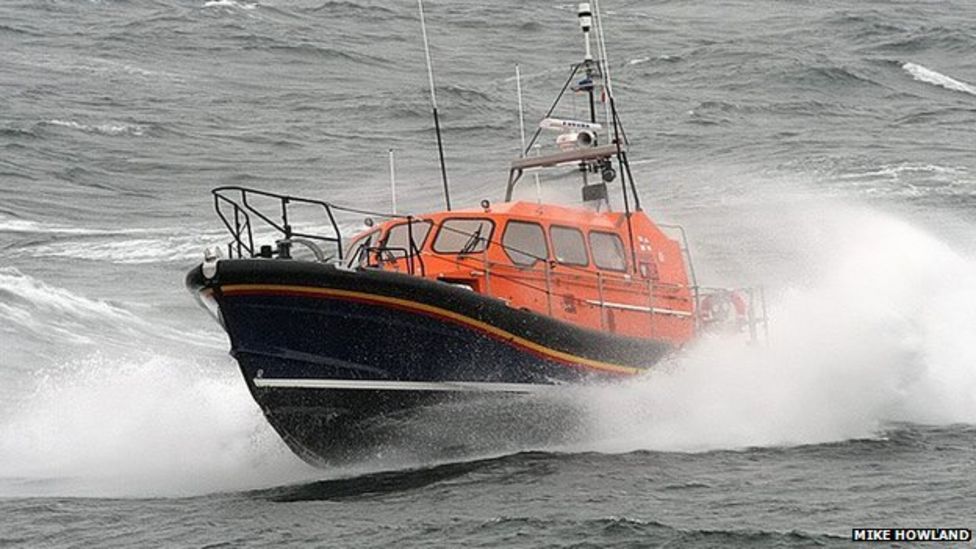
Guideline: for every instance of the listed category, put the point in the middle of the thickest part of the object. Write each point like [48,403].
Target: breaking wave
[25,298]
[19,225]
[162,249]
[230,4]
[929,76]
[46,311]
[120,246]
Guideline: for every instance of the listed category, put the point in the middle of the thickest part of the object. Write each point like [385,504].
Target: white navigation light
[586,23]
[585,17]
[210,258]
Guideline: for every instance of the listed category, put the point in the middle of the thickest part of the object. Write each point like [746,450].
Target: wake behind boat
[517,297]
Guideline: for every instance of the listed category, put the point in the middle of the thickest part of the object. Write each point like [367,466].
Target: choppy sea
[825,150]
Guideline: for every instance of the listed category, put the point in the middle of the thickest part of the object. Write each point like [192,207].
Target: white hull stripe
[638,308]
[443,386]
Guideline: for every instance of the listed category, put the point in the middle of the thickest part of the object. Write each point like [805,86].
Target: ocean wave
[171,248]
[14,30]
[121,246]
[128,252]
[929,76]
[20,225]
[897,170]
[353,9]
[830,75]
[313,50]
[142,245]
[31,306]
[22,296]
[625,531]
[232,4]
[103,129]
[18,132]
[928,39]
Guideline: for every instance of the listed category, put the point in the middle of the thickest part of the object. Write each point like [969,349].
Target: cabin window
[608,251]
[525,243]
[463,236]
[358,250]
[568,245]
[398,238]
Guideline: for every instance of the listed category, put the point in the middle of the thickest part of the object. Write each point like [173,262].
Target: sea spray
[140,425]
[882,337]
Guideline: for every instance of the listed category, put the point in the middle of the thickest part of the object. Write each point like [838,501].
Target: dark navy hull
[332,355]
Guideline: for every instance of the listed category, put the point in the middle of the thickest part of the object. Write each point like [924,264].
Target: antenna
[605,67]
[393,182]
[518,86]
[433,104]
[586,24]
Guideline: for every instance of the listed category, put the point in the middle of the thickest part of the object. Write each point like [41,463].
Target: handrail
[240,198]
[237,229]
[686,250]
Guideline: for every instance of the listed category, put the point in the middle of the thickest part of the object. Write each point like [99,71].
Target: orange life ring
[723,306]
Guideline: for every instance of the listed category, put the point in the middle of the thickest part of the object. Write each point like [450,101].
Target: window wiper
[472,242]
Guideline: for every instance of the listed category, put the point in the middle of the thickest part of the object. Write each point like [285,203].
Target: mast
[586,24]
[393,182]
[433,104]
[521,112]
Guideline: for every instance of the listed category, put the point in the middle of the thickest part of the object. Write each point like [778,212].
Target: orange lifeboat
[513,297]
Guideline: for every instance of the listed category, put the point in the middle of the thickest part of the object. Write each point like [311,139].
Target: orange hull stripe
[413,306]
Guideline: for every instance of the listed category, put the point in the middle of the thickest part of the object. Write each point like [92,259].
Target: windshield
[398,238]
[463,236]
[358,251]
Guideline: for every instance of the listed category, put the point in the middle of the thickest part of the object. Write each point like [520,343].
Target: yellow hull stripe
[483,326]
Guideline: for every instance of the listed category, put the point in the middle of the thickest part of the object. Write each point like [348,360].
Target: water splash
[140,425]
[881,337]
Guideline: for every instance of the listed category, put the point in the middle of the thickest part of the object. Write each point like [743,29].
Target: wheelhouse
[569,263]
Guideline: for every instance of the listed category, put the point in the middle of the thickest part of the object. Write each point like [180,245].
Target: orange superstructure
[573,264]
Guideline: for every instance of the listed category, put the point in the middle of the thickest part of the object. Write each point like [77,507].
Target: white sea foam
[140,425]
[11,225]
[122,246]
[104,129]
[135,245]
[37,295]
[929,76]
[230,4]
[896,170]
[57,313]
[129,250]
[16,225]
[882,337]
